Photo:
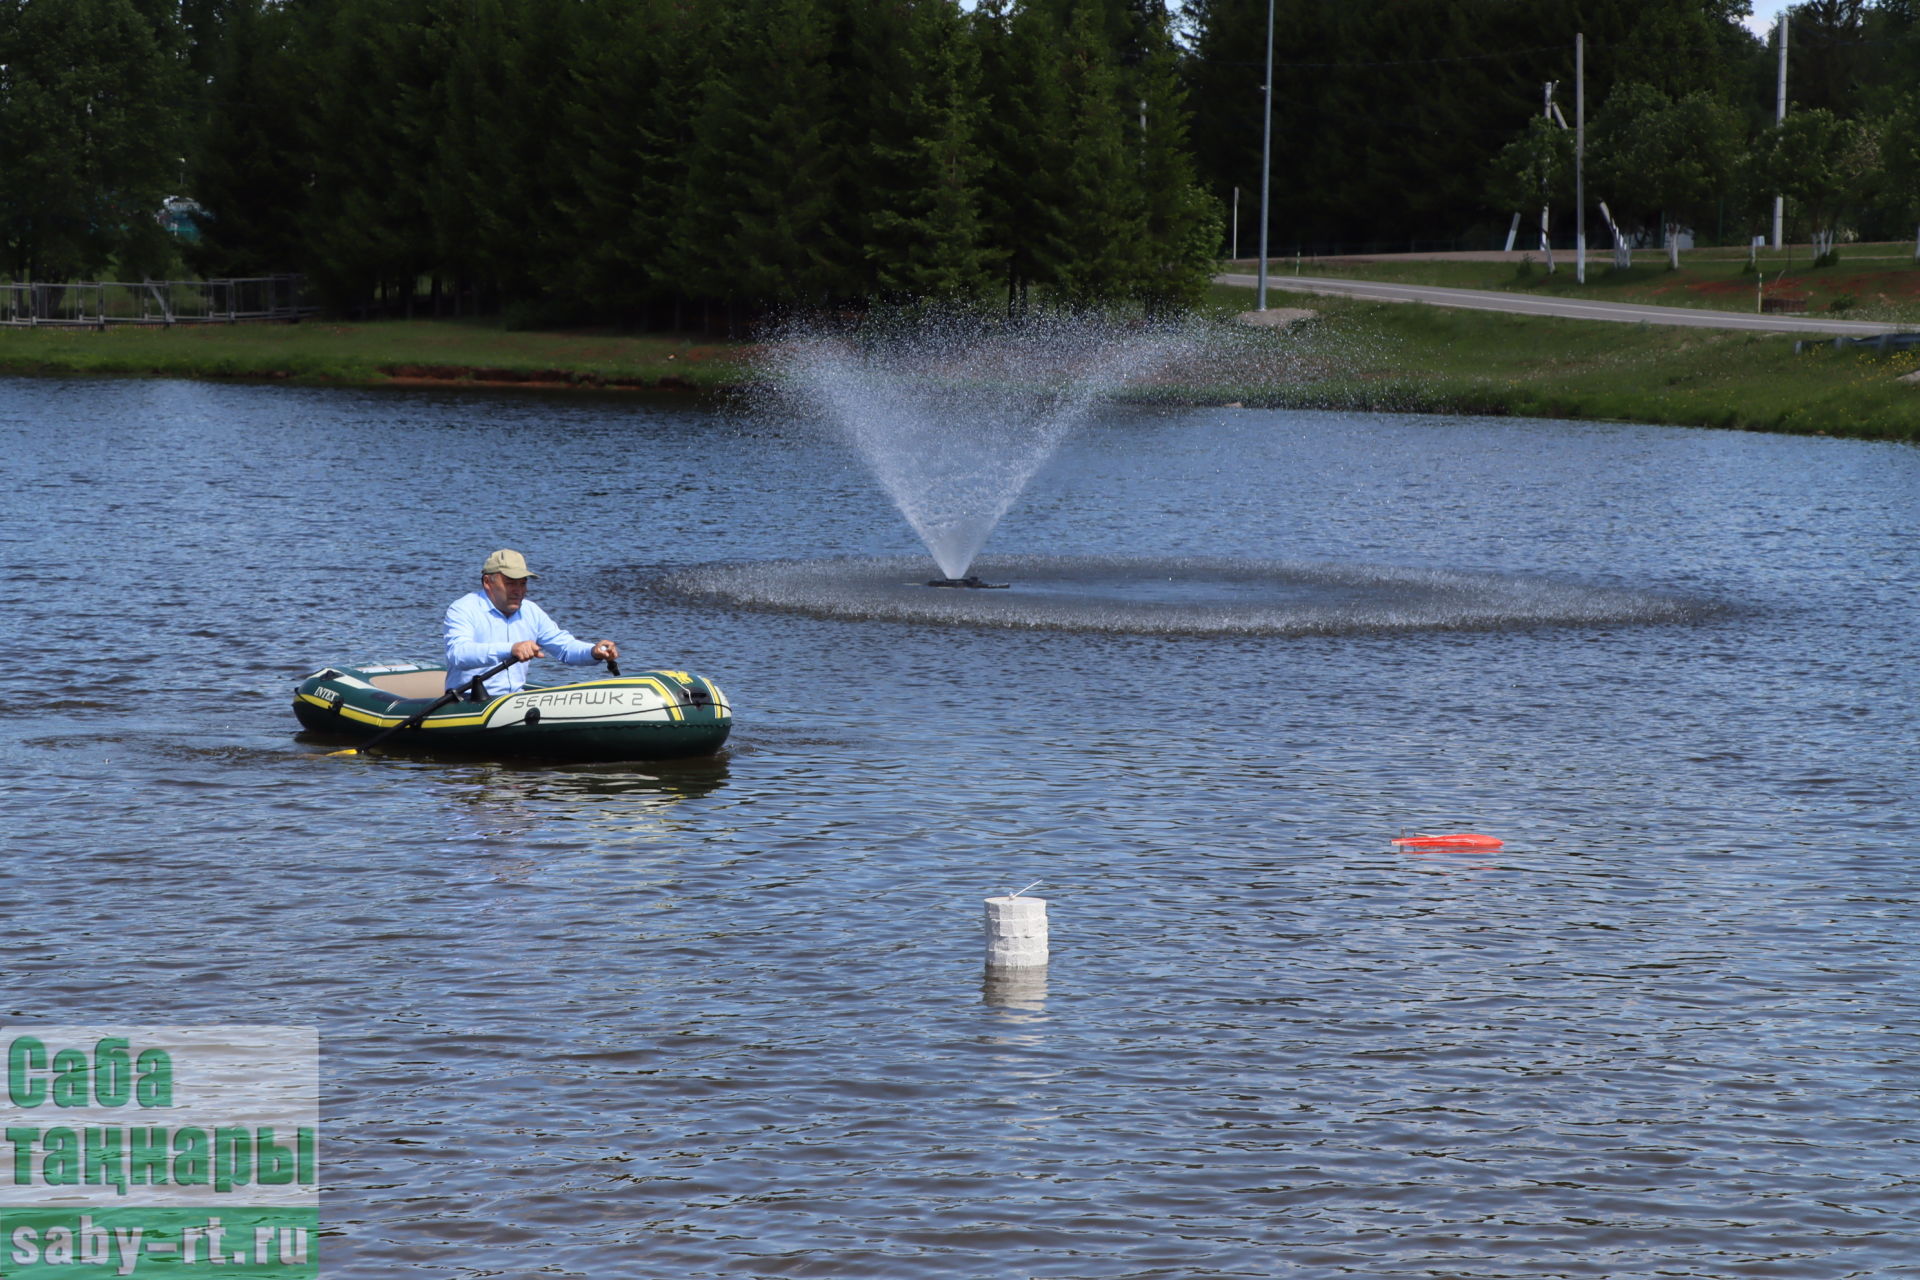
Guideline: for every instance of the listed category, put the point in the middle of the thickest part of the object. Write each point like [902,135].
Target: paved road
[1570,308]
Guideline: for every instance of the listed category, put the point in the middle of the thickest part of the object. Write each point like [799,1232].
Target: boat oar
[413,721]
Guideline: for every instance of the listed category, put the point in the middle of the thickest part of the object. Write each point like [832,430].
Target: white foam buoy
[1016,931]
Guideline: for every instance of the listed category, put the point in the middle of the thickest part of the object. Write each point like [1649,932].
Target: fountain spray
[955,413]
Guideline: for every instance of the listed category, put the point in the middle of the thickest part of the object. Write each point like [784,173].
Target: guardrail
[95,304]
[1879,344]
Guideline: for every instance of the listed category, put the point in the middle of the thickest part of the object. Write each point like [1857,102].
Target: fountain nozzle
[971,580]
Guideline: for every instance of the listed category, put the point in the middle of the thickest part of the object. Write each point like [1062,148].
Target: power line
[1402,62]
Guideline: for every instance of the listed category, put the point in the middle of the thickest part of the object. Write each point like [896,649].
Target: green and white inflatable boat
[649,715]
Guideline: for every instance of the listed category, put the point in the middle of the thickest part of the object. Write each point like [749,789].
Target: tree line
[669,161]
[1405,120]
[650,160]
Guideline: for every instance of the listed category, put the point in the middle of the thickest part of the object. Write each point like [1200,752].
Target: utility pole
[1546,244]
[1580,156]
[1779,117]
[1266,159]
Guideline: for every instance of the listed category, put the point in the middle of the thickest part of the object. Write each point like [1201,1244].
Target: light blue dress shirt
[480,636]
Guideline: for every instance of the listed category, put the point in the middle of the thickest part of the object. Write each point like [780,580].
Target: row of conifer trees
[574,159]
[625,158]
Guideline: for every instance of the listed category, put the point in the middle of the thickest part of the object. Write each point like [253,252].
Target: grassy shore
[1415,358]
[382,352]
[1351,354]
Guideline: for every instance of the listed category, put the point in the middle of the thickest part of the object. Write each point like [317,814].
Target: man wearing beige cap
[485,627]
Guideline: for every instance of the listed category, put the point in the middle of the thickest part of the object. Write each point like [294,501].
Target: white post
[1546,244]
[1622,256]
[1016,932]
[1580,155]
[1779,117]
[1236,224]
[1266,159]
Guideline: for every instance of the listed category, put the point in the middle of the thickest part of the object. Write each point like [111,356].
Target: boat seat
[411,684]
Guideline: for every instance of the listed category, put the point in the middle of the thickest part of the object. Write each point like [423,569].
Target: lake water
[728,1018]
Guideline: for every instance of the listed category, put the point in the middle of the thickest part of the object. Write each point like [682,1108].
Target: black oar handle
[413,721]
[476,686]
[488,675]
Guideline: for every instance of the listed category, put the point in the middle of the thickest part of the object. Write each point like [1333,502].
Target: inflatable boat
[649,715]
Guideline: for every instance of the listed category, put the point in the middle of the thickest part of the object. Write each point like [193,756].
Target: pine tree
[1106,252]
[636,68]
[759,222]
[1830,56]
[367,225]
[499,169]
[915,174]
[1065,202]
[251,156]
[1026,119]
[1183,228]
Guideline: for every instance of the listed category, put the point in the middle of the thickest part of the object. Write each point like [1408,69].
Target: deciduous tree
[1819,162]
[1663,159]
[90,137]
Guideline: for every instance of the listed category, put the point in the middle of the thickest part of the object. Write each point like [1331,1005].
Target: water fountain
[954,417]
[1180,595]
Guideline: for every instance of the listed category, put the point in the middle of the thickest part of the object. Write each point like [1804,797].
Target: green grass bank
[1421,359]
[391,352]
[1350,354]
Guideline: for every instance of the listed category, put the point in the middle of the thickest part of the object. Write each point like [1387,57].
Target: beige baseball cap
[511,563]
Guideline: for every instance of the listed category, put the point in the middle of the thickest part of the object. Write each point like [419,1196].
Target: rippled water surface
[728,1018]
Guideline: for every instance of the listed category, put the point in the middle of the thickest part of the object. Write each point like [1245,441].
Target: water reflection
[1448,861]
[1023,990]
[635,800]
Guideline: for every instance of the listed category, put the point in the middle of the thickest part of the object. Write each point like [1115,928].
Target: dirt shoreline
[415,375]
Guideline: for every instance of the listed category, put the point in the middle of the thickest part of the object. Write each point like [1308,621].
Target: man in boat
[483,628]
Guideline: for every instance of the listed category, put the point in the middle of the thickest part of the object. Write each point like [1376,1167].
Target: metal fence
[95,304]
